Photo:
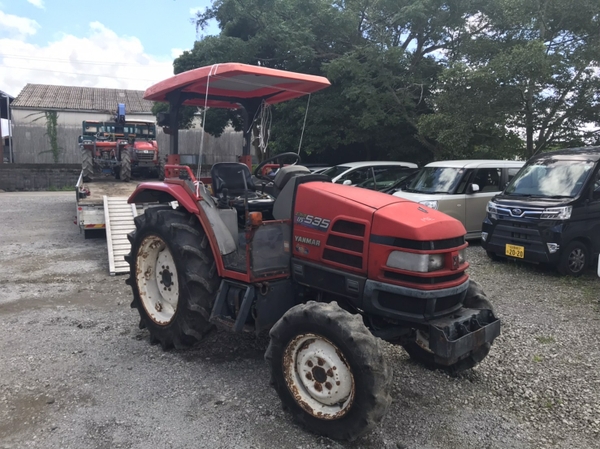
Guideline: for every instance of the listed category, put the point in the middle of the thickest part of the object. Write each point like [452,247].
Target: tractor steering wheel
[259,167]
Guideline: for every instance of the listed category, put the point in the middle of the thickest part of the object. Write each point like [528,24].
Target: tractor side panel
[330,229]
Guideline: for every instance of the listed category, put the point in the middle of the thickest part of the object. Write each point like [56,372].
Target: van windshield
[436,180]
[550,178]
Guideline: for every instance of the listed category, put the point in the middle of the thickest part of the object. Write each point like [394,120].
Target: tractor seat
[236,178]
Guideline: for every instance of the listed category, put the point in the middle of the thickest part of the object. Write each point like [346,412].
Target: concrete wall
[20,177]
[16,177]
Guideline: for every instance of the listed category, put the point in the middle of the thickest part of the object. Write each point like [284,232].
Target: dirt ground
[76,372]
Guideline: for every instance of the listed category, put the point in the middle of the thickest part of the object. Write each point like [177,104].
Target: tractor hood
[395,217]
[413,221]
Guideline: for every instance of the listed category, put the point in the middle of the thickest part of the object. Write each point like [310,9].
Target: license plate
[515,251]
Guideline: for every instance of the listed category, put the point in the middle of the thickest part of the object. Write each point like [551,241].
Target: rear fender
[161,192]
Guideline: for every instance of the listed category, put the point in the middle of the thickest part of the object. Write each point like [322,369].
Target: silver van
[461,189]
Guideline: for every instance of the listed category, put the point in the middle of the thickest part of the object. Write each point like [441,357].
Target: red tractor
[120,148]
[329,269]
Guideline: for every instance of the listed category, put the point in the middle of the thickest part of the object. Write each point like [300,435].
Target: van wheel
[493,256]
[574,259]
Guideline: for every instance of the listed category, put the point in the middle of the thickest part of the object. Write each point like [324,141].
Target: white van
[461,189]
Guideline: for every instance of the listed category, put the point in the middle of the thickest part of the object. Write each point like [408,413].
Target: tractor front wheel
[125,169]
[418,347]
[173,276]
[329,370]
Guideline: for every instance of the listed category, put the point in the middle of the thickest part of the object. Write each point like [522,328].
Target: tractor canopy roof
[230,84]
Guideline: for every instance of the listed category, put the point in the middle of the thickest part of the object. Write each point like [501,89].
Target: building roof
[4,105]
[70,98]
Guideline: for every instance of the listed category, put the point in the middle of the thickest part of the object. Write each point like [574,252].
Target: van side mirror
[474,188]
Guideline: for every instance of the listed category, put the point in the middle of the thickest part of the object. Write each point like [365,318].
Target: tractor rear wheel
[125,171]
[87,163]
[329,370]
[418,348]
[173,276]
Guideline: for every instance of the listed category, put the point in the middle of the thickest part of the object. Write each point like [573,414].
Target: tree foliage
[528,80]
[417,79]
[185,117]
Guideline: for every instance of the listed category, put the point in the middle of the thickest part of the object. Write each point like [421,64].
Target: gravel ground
[76,372]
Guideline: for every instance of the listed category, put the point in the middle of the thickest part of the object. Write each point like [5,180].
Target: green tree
[185,117]
[530,73]
[380,82]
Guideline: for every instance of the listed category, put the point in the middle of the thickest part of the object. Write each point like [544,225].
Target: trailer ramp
[118,215]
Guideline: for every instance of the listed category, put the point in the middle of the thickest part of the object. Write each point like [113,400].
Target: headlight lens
[422,263]
[491,208]
[557,213]
[433,204]
[462,256]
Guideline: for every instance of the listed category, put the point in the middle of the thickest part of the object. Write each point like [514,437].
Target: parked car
[374,175]
[461,189]
[318,169]
[549,213]
[403,182]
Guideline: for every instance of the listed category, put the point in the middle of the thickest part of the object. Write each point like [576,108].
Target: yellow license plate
[515,251]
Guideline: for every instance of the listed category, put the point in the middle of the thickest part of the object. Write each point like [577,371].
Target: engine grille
[144,157]
[345,244]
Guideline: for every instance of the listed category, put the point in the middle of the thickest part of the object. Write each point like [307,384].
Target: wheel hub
[576,260]
[318,376]
[166,278]
[157,280]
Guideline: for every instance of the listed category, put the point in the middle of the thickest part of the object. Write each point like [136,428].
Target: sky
[127,44]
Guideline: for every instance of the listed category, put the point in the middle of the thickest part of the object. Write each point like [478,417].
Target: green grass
[551,403]
[545,340]
[538,358]
[60,189]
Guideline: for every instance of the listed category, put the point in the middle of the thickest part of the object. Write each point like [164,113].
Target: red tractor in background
[121,148]
[328,269]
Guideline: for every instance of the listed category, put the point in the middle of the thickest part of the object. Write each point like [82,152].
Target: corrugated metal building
[76,104]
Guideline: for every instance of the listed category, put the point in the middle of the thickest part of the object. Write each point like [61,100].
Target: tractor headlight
[557,213]
[462,256]
[422,263]
[432,204]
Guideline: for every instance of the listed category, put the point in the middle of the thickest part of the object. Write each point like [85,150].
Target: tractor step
[232,306]
[118,216]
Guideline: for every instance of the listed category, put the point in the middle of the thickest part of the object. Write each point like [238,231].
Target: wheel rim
[576,260]
[318,376]
[157,280]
